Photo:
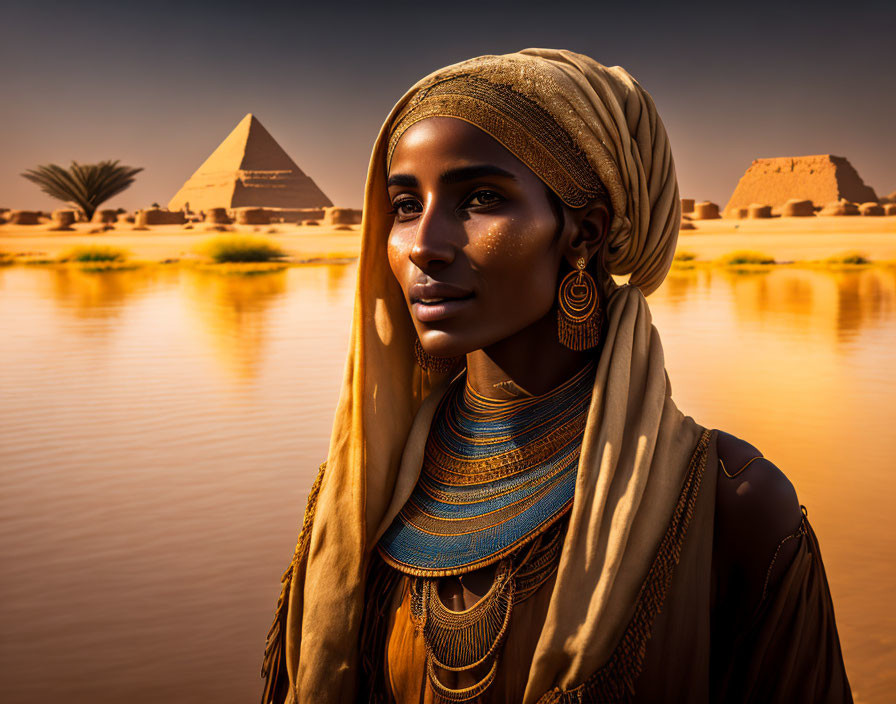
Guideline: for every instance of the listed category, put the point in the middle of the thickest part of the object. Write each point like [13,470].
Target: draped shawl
[636,443]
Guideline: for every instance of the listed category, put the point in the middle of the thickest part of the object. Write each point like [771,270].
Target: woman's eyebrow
[468,173]
[403,180]
[458,175]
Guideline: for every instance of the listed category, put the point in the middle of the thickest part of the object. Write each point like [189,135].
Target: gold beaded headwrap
[588,131]
[520,124]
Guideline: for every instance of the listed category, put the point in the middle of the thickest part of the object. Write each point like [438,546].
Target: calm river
[160,428]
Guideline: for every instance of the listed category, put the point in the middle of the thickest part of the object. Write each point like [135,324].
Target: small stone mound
[706,210]
[105,217]
[217,216]
[158,216]
[304,214]
[63,220]
[687,205]
[738,213]
[23,217]
[873,209]
[759,211]
[140,220]
[796,208]
[342,216]
[685,225]
[840,207]
[311,222]
[253,216]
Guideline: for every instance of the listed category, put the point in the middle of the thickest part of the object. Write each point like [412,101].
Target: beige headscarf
[636,445]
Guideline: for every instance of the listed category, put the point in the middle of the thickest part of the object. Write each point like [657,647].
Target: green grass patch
[94,253]
[745,256]
[848,258]
[684,255]
[241,248]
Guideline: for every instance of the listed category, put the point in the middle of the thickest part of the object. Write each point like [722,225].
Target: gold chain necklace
[460,641]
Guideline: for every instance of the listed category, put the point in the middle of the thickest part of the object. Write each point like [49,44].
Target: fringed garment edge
[273,668]
[615,681]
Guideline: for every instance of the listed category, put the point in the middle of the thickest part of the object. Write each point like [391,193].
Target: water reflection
[231,312]
[89,294]
[339,277]
[179,499]
[839,303]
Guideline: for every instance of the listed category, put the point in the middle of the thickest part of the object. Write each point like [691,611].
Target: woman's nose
[433,247]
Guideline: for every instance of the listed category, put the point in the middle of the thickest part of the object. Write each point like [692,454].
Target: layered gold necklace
[496,478]
[464,641]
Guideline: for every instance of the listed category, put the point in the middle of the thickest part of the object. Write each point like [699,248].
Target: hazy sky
[160,84]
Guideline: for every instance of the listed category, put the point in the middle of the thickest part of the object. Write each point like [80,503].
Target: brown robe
[714,639]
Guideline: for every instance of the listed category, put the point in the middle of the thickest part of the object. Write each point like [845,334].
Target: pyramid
[821,178]
[249,169]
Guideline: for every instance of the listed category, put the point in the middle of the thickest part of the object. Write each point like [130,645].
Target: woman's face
[475,243]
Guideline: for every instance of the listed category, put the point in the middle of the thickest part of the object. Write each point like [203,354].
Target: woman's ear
[591,224]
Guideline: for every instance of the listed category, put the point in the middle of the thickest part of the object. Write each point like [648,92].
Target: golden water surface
[159,430]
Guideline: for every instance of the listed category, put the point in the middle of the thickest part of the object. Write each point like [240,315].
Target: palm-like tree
[85,185]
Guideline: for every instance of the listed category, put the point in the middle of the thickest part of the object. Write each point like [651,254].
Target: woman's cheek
[514,241]
[398,251]
[495,243]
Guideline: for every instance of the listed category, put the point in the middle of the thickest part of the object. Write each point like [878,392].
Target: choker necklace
[495,475]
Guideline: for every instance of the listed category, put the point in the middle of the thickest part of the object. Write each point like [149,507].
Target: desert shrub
[745,256]
[848,258]
[94,253]
[242,248]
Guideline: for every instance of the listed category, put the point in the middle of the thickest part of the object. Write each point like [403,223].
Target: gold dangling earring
[432,363]
[578,309]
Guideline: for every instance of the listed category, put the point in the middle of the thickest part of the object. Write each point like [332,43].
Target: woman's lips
[430,310]
[435,300]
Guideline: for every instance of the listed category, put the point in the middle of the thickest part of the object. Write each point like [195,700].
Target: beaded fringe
[273,668]
[578,336]
[615,681]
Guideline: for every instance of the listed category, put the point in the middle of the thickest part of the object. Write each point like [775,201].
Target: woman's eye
[481,198]
[407,206]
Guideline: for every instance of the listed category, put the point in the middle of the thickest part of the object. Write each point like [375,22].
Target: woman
[512,508]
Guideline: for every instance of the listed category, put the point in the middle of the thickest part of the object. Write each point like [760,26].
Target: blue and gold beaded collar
[495,475]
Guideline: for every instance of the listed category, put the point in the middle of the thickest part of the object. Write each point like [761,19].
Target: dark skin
[475,225]
[475,220]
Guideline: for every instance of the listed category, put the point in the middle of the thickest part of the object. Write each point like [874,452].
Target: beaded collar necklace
[495,475]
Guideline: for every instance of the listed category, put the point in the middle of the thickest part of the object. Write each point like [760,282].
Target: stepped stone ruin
[249,170]
[821,179]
